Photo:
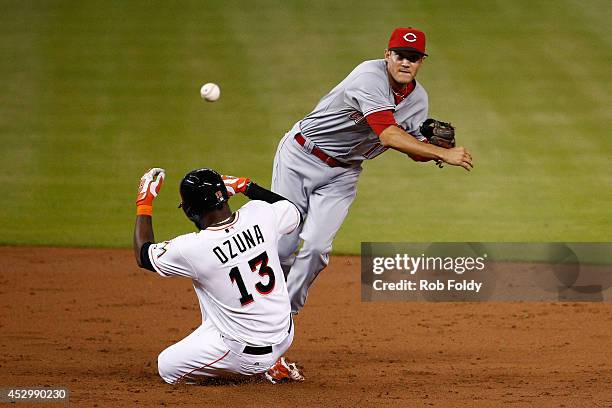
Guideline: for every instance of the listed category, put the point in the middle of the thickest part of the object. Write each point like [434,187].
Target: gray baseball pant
[323,194]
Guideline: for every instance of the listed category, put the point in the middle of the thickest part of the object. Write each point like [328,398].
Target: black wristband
[256,192]
[145,261]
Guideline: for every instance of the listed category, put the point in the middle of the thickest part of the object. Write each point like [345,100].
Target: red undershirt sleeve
[379,121]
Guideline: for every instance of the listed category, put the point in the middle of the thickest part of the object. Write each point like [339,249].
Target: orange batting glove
[235,185]
[150,184]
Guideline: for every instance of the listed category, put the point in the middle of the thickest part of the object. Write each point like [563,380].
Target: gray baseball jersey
[337,125]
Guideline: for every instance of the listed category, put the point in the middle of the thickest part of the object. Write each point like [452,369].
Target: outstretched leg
[327,209]
[292,178]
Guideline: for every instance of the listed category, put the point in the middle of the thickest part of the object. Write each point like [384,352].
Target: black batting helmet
[202,190]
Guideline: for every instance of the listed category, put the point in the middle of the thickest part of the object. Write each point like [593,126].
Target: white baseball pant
[205,353]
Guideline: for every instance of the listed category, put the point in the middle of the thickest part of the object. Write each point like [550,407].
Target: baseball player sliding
[379,105]
[234,266]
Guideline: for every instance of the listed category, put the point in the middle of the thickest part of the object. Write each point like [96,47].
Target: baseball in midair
[210,92]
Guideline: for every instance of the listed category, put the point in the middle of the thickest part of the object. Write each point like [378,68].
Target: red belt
[330,161]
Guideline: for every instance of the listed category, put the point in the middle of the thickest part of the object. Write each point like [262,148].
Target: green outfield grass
[95,92]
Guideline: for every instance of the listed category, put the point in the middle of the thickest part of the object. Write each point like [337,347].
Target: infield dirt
[91,321]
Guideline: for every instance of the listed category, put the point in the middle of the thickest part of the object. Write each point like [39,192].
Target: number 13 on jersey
[258,264]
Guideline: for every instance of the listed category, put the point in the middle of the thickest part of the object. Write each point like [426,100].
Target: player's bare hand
[458,156]
[235,185]
[150,184]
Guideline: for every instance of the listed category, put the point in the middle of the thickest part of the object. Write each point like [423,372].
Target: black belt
[261,350]
[330,161]
[257,351]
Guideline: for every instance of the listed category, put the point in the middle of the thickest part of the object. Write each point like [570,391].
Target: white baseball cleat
[282,371]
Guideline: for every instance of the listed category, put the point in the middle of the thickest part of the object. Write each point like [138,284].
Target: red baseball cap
[407,39]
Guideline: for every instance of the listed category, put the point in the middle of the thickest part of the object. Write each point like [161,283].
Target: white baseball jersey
[337,124]
[236,272]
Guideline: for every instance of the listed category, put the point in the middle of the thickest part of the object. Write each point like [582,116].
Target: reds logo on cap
[407,39]
[410,37]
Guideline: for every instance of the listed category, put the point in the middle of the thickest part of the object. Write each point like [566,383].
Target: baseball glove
[438,133]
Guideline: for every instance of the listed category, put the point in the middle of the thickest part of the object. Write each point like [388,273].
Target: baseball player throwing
[234,266]
[379,105]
